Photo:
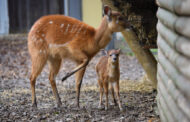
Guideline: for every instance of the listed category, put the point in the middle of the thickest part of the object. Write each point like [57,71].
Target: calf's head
[113,56]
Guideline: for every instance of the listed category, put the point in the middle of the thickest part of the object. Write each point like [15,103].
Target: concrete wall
[173,60]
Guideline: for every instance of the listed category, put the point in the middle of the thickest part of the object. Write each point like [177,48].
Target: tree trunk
[144,56]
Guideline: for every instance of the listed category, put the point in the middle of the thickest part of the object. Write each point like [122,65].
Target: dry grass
[142,85]
[12,37]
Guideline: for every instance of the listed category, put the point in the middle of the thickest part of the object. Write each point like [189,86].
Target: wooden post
[144,56]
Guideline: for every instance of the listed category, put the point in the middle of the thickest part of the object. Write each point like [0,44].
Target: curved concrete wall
[173,60]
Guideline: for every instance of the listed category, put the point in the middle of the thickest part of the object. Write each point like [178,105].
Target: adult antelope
[56,37]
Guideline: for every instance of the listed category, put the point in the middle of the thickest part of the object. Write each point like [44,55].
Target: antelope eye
[117,54]
[110,54]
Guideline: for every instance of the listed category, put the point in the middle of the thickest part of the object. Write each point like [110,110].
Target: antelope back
[59,29]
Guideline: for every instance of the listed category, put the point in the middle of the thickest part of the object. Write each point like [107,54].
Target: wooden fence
[173,60]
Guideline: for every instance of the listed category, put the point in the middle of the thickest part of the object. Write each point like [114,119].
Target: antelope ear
[107,10]
[118,51]
[106,52]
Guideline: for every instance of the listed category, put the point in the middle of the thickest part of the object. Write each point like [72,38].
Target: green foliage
[154,51]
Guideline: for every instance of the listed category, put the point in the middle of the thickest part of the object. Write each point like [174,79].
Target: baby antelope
[108,73]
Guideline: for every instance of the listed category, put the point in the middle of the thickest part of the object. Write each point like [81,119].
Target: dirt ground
[137,95]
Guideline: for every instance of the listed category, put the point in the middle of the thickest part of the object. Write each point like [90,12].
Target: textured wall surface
[174,60]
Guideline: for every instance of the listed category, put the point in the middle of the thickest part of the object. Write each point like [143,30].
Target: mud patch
[16,105]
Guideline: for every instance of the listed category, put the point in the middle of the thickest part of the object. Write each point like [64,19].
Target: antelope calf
[108,73]
[54,38]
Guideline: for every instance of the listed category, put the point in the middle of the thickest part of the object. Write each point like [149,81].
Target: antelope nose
[114,58]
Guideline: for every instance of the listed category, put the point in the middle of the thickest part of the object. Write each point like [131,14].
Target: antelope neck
[103,34]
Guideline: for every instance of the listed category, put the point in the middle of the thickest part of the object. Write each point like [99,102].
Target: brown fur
[56,37]
[108,73]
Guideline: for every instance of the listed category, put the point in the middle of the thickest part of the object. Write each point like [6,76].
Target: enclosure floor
[15,97]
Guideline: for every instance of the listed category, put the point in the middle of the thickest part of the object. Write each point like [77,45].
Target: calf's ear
[105,52]
[118,51]
[107,12]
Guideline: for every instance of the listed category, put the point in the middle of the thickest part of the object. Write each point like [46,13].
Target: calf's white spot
[57,45]
[50,22]
[113,66]
[67,28]
[73,28]
[62,25]
[80,29]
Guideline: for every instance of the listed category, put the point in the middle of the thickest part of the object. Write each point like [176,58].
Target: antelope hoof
[77,105]
[115,103]
[106,108]
[59,105]
[100,107]
[34,106]
[121,109]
